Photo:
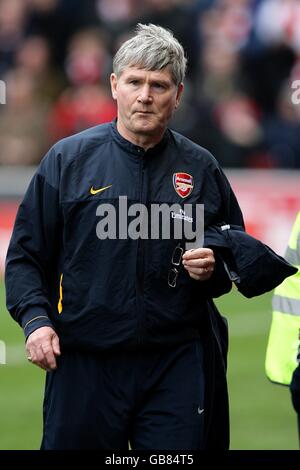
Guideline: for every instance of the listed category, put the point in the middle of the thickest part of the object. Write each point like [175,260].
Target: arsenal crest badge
[183,184]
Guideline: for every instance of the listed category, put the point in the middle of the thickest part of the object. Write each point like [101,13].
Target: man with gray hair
[125,326]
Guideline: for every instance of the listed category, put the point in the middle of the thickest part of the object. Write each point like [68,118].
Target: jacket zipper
[140,261]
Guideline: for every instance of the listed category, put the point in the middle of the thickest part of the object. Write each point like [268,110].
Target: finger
[41,359]
[199,277]
[199,271]
[200,274]
[198,253]
[49,357]
[55,345]
[28,353]
[198,263]
[35,358]
[195,276]
[31,356]
[32,351]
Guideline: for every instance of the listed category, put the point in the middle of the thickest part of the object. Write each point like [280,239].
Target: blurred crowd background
[243,55]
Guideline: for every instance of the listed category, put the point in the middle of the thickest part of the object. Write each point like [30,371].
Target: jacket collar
[135,149]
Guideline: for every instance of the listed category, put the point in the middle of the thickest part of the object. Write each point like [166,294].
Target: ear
[113,85]
[179,93]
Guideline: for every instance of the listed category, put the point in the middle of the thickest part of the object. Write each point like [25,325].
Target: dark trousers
[152,399]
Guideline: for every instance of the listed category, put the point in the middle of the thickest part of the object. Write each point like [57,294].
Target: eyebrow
[153,80]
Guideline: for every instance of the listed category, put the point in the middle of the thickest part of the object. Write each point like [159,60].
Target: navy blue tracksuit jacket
[111,294]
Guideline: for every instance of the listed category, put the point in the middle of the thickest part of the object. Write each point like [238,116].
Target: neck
[146,141]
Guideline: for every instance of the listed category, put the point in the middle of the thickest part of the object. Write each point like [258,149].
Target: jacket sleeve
[229,213]
[33,249]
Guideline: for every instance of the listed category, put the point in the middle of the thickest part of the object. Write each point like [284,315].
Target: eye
[159,86]
[134,82]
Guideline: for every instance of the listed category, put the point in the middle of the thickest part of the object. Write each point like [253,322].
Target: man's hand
[42,347]
[200,263]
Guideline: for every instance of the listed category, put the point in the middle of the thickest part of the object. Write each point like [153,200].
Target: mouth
[143,112]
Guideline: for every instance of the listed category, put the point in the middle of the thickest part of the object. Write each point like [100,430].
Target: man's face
[146,101]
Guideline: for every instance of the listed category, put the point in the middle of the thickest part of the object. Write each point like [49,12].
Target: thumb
[55,345]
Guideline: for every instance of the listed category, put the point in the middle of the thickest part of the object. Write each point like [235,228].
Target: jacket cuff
[34,318]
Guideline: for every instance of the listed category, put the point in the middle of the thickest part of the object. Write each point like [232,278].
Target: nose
[145,96]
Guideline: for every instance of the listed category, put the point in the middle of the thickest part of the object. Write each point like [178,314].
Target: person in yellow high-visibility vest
[283,350]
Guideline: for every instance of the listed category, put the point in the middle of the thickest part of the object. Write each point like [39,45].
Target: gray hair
[152,48]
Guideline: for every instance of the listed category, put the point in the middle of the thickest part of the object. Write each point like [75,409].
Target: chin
[146,128]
